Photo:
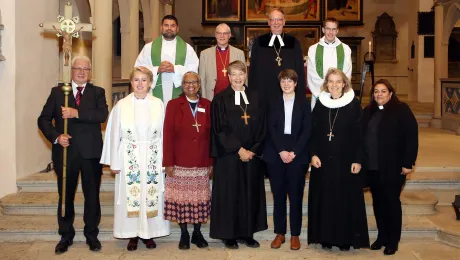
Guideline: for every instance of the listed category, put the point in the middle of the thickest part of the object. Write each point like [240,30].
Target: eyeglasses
[330,29]
[237,74]
[222,33]
[81,69]
[276,19]
[193,83]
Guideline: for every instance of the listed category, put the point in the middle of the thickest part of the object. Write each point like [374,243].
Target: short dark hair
[170,17]
[330,20]
[288,74]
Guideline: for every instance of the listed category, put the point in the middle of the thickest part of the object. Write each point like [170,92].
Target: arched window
[384,36]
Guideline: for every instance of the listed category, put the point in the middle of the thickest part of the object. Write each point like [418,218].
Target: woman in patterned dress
[187,160]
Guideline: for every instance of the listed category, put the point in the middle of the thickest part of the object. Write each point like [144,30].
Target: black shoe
[149,243]
[198,240]
[184,242]
[344,248]
[326,246]
[94,244]
[231,244]
[132,244]
[250,242]
[62,246]
[377,245]
[389,251]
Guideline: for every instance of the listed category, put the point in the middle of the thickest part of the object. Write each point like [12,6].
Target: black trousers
[287,180]
[387,206]
[91,173]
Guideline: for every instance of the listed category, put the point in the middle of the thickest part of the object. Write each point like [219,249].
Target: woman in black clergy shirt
[391,144]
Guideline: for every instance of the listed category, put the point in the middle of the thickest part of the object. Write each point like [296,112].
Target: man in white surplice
[169,57]
[133,146]
[329,52]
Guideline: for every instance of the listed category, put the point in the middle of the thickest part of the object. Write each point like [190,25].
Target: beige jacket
[207,68]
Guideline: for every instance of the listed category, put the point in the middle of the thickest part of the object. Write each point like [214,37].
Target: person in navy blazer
[286,155]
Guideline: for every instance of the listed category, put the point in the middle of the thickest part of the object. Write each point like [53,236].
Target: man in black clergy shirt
[271,53]
[87,110]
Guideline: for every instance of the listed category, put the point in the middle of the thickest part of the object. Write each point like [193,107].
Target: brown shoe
[295,243]
[279,239]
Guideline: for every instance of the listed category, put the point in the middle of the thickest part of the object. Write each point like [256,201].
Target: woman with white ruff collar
[336,208]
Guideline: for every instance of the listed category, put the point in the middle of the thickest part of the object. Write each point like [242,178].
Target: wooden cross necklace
[331,127]
[223,63]
[245,116]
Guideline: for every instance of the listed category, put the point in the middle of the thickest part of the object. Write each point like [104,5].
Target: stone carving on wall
[2,58]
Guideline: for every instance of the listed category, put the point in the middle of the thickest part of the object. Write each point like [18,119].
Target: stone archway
[451,17]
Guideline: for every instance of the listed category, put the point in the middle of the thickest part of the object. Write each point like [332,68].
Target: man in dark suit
[87,110]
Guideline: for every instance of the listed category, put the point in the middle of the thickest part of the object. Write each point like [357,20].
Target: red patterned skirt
[187,195]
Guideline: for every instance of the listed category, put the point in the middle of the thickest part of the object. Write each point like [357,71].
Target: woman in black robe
[238,207]
[336,208]
[391,145]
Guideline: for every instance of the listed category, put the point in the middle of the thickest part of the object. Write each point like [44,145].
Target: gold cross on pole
[245,117]
[67,27]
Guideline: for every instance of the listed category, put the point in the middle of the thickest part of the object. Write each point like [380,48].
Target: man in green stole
[329,52]
[169,57]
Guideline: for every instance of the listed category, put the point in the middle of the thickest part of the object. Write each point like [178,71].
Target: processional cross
[67,27]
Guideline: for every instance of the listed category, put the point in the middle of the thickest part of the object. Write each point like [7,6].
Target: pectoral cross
[330,136]
[245,117]
[278,59]
[197,125]
[225,72]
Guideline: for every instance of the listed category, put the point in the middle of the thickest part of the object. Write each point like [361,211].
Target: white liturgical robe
[145,132]
[168,53]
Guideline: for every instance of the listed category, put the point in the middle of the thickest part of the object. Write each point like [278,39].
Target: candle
[370,47]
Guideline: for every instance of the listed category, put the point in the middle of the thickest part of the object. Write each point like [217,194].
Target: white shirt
[75,90]
[288,108]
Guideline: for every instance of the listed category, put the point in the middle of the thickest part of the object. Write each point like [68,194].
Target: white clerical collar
[272,40]
[333,44]
[327,101]
[381,107]
[239,94]
[168,41]
[192,101]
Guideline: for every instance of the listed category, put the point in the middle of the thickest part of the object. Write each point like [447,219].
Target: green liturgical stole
[319,59]
[181,53]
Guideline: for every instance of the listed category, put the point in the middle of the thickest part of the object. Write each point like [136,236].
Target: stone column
[155,12]
[129,37]
[102,47]
[438,64]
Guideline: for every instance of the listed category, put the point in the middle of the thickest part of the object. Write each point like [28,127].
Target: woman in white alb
[133,149]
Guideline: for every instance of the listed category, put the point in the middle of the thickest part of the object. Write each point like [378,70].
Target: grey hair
[224,25]
[81,57]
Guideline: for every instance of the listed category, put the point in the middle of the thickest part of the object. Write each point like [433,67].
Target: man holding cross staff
[78,109]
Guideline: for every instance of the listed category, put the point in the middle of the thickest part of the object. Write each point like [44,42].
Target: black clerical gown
[336,208]
[264,69]
[238,206]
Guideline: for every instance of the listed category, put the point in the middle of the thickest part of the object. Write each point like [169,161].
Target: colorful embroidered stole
[131,146]
[319,59]
[181,53]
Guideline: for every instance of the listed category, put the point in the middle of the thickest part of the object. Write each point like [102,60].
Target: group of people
[179,128]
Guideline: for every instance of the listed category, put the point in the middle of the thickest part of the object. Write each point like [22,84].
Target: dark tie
[78,96]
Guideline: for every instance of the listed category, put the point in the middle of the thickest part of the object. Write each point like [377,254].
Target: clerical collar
[238,95]
[220,49]
[165,40]
[191,100]
[329,42]
[381,107]
[280,39]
